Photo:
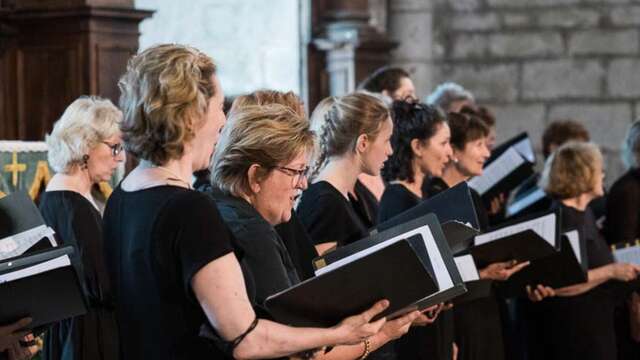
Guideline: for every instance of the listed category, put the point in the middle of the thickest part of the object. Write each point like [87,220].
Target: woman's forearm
[349,352]
[596,277]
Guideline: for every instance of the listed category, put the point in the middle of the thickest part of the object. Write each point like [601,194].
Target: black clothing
[330,217]
[623,210]
[320,208]
[395,200]
[365,205]
[94,335]
[478,328]
[264,256]
[581,327]
[156,240]
[299,246]
[434,341]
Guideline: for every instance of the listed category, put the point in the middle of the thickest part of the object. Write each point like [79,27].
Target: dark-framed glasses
[296,174]
[116,148]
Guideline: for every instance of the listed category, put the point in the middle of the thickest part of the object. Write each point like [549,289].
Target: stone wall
[532,61]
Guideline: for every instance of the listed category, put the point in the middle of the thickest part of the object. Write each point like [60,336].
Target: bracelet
[367,349]
[235,342]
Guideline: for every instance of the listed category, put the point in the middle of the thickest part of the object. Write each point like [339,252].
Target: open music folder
[508,167]
[566,267]
[533,201]
[22,228]
[627,252]
[455,210]
[438,254]
[42,285]
[351,288]
[528,239]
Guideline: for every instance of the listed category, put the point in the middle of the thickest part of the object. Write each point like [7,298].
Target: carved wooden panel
[110,63]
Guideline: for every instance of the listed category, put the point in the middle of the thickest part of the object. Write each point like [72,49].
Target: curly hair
[165,95]
[268,135]
[84,123]
[345,120]
[410,121]
[385,78]
[571,170]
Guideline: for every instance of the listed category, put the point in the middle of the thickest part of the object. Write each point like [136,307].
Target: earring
[455,160]
[85,162]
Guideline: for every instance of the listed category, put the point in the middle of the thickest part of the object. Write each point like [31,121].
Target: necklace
[174,177]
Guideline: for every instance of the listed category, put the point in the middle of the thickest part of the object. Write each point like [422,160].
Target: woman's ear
[417,147]
[362,142]
[253,177]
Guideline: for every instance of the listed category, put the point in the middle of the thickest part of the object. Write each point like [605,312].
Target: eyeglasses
[296,174]
[116,149]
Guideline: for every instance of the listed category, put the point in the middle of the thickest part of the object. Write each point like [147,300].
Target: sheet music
[629,254]
[524,202]
[36,269]
[525,148]
[16,245]
[442,274]
[504,165]
[574,240]
[544,226]
[467,268]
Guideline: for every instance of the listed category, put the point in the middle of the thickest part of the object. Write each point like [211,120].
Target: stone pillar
[352,47]
[410,24]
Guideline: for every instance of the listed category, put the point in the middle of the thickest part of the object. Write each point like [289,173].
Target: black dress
[434,341]
[365,204]
[581,327]
[156,240]
[478,327]
[263,254]
[330,217]
[623,211]
[94,335]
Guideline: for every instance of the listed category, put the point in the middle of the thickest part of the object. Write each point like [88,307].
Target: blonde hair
[267,135]
[345,120]
[571,170]
[265,97]
[165,95]
[83,125]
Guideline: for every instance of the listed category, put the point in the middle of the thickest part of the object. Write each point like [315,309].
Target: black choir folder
[565,267]
[510,164]
[533,238]
[455,210]
[410,265]
[43,286]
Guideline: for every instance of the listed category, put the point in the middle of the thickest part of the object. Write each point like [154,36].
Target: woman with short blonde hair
[181,293]
[573,177]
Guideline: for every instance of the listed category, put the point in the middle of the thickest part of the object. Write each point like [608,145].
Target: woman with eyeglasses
[84,149]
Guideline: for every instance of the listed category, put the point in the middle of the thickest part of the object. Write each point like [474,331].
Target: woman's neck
[341,172]
[579,202]
[452,176]
[415,186]
[77,180]
[146,175]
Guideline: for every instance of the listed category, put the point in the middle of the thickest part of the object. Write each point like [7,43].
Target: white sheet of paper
[629,254]
[531,198]
[525,148]
[467,268]
[504,165]
[545,226]
[36,269]
[442,274]
[16,245]
[574,240]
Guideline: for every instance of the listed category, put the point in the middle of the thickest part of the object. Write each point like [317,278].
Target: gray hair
[631,146]
[446,93]
[84,124]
